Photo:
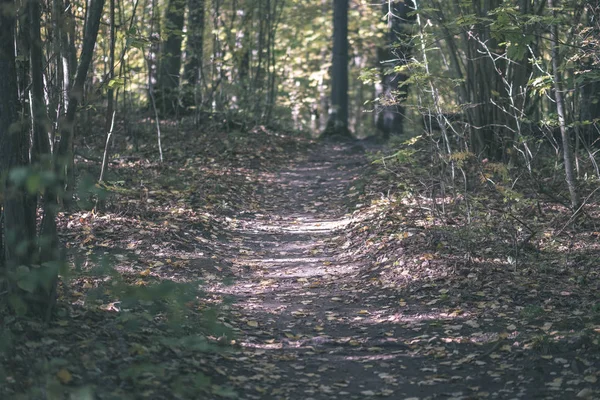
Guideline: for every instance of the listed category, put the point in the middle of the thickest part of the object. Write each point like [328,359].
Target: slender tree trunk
[110,108]
[338,111]
[41,124]
[64,153]
[560,111]
[68,51]
[590,91]
[49,253]
[111,68]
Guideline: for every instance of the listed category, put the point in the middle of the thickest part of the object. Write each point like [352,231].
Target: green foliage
[401,156]
[34,180]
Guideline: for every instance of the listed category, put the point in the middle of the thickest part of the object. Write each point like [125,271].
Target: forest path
[310,327]
[305,294]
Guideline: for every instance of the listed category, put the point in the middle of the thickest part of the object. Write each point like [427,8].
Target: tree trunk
[560,111]
[41,124]
[170,60]
[397,52]
[48,251]
[111,68]
[590,90]
[110,101]
[64,154]
[195,41]
[337,125]
[19,228]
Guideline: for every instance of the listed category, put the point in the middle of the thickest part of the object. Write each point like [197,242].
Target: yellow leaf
[506,348]
[64,376]
[363,312]
[253,324]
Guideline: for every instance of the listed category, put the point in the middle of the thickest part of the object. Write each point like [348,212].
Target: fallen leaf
[586,393]
[64,376]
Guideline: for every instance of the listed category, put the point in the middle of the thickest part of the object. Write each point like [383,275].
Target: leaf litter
[305,282]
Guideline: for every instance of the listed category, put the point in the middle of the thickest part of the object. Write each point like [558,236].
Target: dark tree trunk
[18,234]
[338,111]
[195,41]
[48,249]
[170,60]
[390,115]
[590,91]
[590,111]
[64,154]
[41,124]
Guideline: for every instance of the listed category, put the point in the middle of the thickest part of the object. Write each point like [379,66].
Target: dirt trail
[310,328]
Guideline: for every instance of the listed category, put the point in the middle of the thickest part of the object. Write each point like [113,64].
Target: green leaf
[29,284]
[116,83]
[18,175]
[33,183]
[17,304]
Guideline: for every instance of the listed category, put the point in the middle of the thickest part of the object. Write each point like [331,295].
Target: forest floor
[317,283]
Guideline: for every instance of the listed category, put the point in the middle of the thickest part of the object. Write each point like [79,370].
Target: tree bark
[337,125]
[64,154]
[170,60]
[560,111]
[42,301]
[397,52]
[195,41]
[41,124]
[18,233]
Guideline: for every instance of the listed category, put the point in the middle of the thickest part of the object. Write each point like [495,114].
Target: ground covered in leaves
[267,266]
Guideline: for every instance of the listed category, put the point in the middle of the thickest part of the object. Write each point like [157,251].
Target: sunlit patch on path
[301,225]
